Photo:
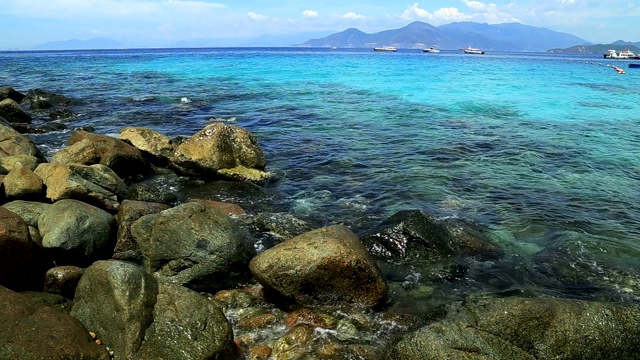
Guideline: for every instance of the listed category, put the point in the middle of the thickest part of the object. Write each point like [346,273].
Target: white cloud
[475,5]
[310,13]
[414,11]
[450,14]
[254,16]
[352,16]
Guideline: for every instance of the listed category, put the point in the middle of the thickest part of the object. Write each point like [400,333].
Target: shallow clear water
[541,149]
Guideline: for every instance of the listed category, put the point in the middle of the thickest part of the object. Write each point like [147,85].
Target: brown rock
[157,147]
[327,266]
[23,183]
[33,331]
[17,252]
[114,153]
[218,146]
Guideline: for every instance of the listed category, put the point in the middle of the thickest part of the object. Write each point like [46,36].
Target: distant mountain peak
[501,37]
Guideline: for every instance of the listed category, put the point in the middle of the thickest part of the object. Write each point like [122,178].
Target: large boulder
[157,147]
[517,328]
[89,148]
[14,143]
[141,319]
[187,325]
[77,233]
[327,266]
[115,300]
[195,246]
[220,150]
[13,112]
[33,331]
[18,257]
[95,184]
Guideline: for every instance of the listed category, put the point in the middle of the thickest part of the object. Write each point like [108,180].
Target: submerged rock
[11,93]
[327,266]
[412,235]
[517,328]
[12,112]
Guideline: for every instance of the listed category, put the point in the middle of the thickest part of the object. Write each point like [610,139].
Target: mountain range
[599,48]
[501,37]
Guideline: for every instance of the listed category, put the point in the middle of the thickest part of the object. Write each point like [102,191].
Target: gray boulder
[327,266]
[77,233]
[29,211]
[195,246]
[33,331]
[141,319]
[18,258]
[96,184]
[517,328]
[221,150]
[13,112]
[186,325]
[115,300]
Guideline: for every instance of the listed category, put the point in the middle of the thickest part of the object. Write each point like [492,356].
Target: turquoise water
[542,150]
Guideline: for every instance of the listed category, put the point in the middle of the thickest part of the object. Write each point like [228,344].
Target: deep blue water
[541,149]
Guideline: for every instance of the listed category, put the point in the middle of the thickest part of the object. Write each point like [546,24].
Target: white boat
[431,50]
[385,48]
[622,54]
[471,50]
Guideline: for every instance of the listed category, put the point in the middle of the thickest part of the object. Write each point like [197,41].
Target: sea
[540,150]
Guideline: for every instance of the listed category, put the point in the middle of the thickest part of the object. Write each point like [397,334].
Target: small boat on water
[385,48]
[431,50]
[622,54]
[471,50]
[634,66]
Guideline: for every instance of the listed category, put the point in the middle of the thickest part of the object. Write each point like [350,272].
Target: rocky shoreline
[97,262]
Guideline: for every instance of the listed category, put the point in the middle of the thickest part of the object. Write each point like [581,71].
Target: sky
[28,23]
